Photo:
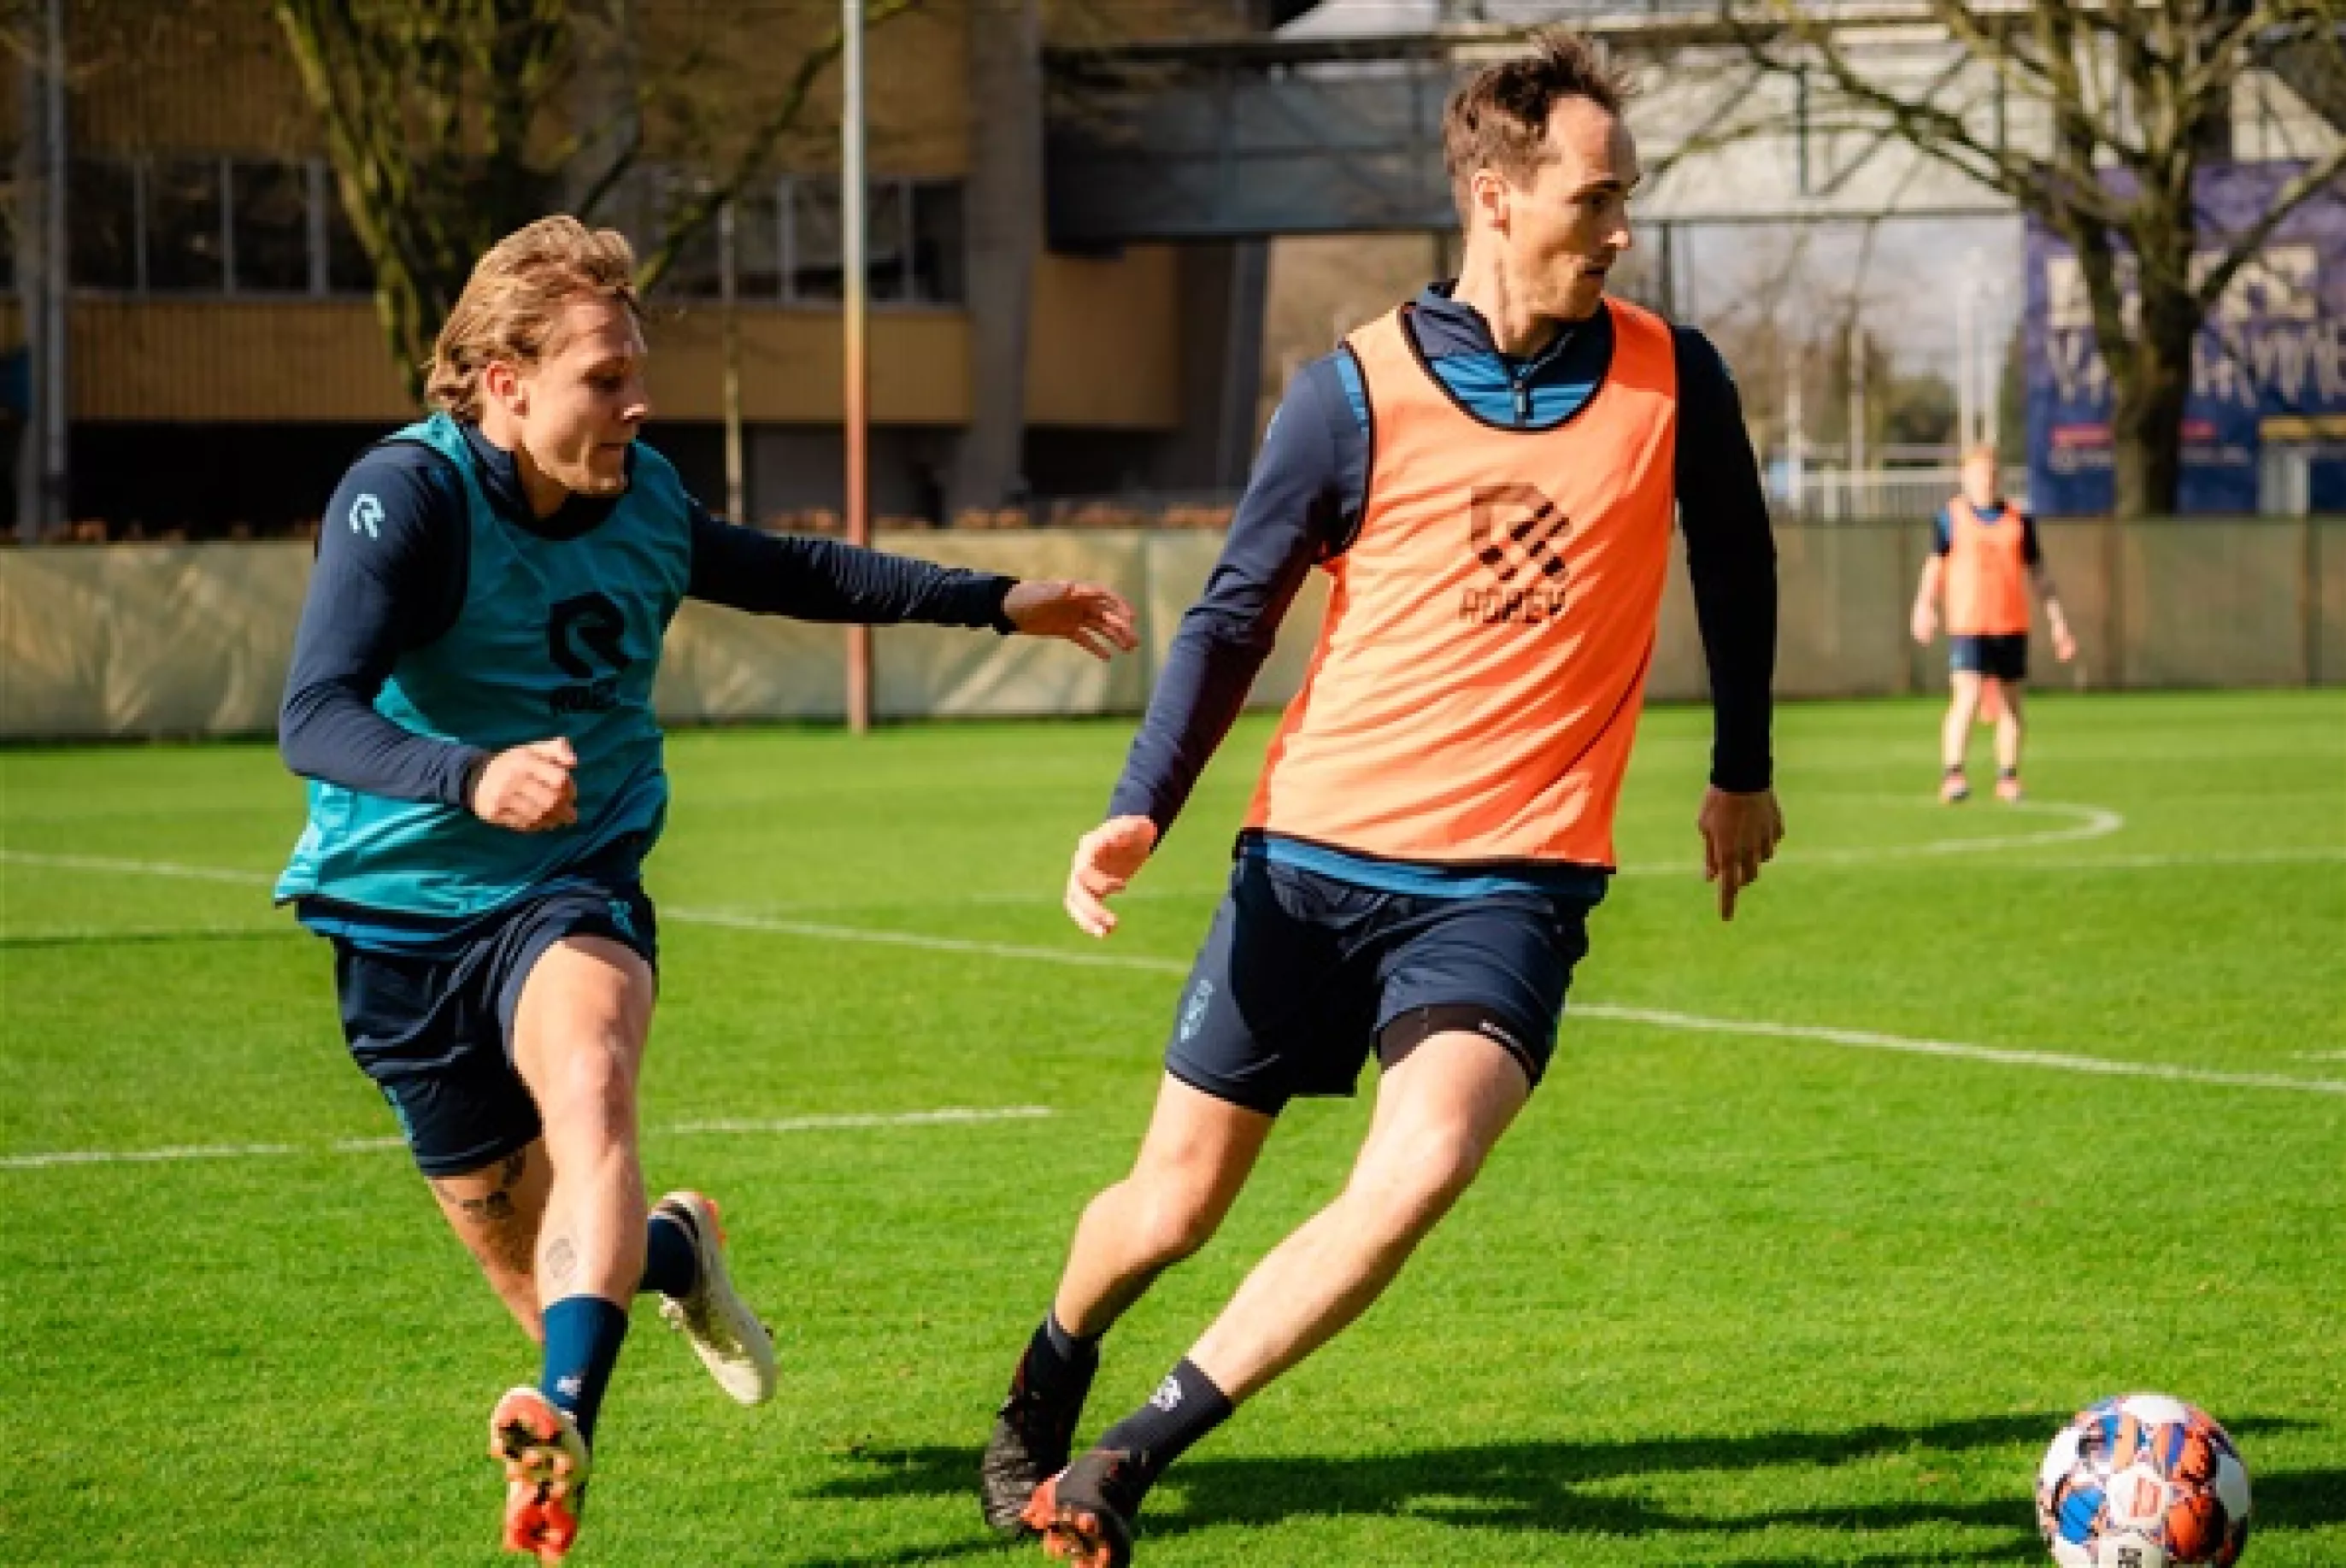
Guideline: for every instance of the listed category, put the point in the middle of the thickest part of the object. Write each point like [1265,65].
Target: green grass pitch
[1728,1295]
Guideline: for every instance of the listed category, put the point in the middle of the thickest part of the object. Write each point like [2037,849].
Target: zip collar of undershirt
[500,475]
[1438,309]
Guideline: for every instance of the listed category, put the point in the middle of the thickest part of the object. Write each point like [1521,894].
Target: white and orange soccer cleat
[1953,788]
[2007,789]
[725,1334]
[546,1465]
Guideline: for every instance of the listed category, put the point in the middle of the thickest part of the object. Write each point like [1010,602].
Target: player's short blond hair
[1980,452]
[511,309]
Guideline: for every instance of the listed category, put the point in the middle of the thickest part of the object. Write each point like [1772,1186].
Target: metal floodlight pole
[1966,408]
[857,410]
[54,490]
[728,277]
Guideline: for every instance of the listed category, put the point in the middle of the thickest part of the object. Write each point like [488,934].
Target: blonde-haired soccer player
[471,700]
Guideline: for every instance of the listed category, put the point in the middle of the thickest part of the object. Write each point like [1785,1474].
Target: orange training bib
[1987,572]
[1479,674]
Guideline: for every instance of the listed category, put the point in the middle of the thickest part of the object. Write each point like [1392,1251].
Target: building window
[817,268]
[349,269]
[102,225]
[698,269]
[885,264]
[186,238]
[211,225]
[913,245]
[939,255]
[758,241]
[787,242]
[270,209]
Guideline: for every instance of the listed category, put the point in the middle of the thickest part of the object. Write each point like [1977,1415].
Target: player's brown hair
[511,308]
[1497,119]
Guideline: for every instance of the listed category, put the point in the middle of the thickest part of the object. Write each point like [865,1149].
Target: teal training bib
[557,638]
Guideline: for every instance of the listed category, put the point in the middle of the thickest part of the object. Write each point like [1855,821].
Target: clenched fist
[528,789]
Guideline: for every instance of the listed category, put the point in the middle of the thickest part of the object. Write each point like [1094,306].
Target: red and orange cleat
[1084,1514]
[1954,789]
[546,1466]
[2007,788]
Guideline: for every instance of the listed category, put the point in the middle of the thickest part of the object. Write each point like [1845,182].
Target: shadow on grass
[1538,1487]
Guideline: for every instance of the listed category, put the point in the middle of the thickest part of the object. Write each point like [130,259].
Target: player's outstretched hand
[1106,859]
[528,789]
[1739,834]
[1096,619]
[1924,624]
[2064,644]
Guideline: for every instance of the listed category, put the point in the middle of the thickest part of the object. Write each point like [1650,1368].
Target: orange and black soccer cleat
[546,1465]
[1084,1514]
[1029,1444]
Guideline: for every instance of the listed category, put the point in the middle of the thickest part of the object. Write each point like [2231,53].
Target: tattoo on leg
[495,1205]
[561,1262]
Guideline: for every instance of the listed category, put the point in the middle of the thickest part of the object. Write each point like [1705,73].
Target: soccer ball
[2143,1481]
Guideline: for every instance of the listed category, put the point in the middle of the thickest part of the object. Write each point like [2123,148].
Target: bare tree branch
[684,224]
[2132,94]
[2315,179]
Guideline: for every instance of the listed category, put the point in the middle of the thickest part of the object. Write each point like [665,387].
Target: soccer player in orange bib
[1984,555]
[1488,473]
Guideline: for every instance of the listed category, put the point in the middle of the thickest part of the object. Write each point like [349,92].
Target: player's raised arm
[1731,560]
[813,579]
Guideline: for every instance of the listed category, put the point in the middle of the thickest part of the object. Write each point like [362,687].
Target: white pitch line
[142,1156]
[137,868]
[1866,1039]
[819,932]
[950,1116]
[1870,1040]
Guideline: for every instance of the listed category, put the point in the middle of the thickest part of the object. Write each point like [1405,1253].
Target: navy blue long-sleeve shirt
[1305,500]
[391,577]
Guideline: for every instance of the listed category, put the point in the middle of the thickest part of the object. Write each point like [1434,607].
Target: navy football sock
[583,1335]
[671,1267]
[1185,1408]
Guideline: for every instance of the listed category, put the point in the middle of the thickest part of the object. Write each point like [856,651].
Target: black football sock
[1058,1366]
[1184,1408]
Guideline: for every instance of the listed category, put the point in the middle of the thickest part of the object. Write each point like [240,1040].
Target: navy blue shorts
[435,1030]
[1300,974]
[1996,658]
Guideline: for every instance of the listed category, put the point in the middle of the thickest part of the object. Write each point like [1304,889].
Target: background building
[225,360]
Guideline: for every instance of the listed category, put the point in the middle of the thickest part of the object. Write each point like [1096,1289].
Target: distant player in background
[471,698]
[1489,474]
[1984,555]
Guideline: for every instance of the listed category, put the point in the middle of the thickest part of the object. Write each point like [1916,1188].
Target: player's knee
[594,1083]
[1173,1224]
[1410,1184]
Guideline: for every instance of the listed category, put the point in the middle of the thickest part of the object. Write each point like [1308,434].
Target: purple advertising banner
[2265,427]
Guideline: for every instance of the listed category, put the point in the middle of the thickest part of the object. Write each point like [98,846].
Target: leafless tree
[451,122]
[2095,118]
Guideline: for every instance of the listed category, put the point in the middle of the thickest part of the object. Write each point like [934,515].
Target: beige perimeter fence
[133,640]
